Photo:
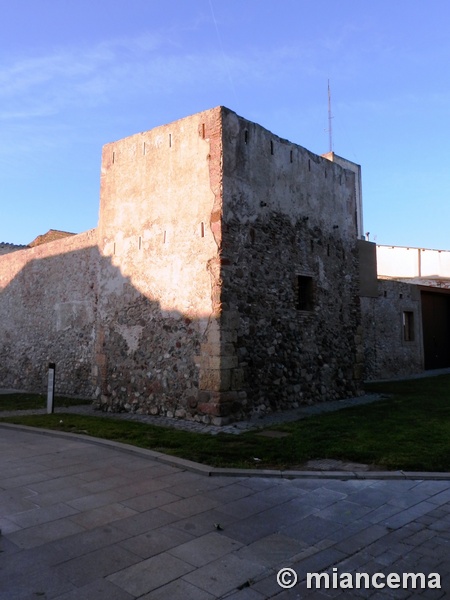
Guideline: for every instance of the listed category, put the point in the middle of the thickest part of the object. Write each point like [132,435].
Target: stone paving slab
[206,470]
[97,522]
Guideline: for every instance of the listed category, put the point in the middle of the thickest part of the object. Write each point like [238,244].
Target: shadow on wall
[274,338]
[108,340]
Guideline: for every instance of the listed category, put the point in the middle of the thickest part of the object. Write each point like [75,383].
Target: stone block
[237,379]
[192,401]
[229,336]
[203,396]
[210,349]
[210,408]
[213,333]
[221,421]
[223,362]
[230,320]
[215,379]
[358,371]
[228,349]
[230,396]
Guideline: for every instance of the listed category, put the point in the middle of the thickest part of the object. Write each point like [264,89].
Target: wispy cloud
[45,85]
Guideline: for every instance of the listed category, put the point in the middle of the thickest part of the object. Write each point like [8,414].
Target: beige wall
[155,211]
[160,227]
[403,262]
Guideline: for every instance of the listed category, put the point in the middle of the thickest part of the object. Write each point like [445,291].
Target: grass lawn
[33,401]
[410,431]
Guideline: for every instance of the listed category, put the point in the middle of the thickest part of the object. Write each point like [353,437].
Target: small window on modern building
[304,293]
[408,326]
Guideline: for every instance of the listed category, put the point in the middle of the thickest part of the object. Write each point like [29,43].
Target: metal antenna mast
[330,130]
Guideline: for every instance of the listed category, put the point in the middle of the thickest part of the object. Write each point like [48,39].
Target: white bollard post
[51,388]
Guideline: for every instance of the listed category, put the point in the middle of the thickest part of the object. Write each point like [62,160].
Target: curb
[201,469]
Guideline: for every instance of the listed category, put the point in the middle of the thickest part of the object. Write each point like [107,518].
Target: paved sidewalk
[87,521]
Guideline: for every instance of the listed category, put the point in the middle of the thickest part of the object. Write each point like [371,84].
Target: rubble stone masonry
[390,351]
[222,280]
[48,314]
[290,301]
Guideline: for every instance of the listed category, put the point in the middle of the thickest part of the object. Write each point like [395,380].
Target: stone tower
[229,279]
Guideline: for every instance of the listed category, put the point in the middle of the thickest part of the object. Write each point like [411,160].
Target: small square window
[408,326]
[304,293]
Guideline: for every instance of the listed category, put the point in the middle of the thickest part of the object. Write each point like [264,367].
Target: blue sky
[76,74]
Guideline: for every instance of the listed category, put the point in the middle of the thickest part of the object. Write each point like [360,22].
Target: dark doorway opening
[436,329]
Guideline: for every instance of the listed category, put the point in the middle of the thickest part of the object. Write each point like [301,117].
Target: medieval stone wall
[222,280]
[391,352]
[288,223]
[6,248]
[160,228]
[48,313]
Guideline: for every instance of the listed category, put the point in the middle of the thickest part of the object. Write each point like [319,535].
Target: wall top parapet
[409,262]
